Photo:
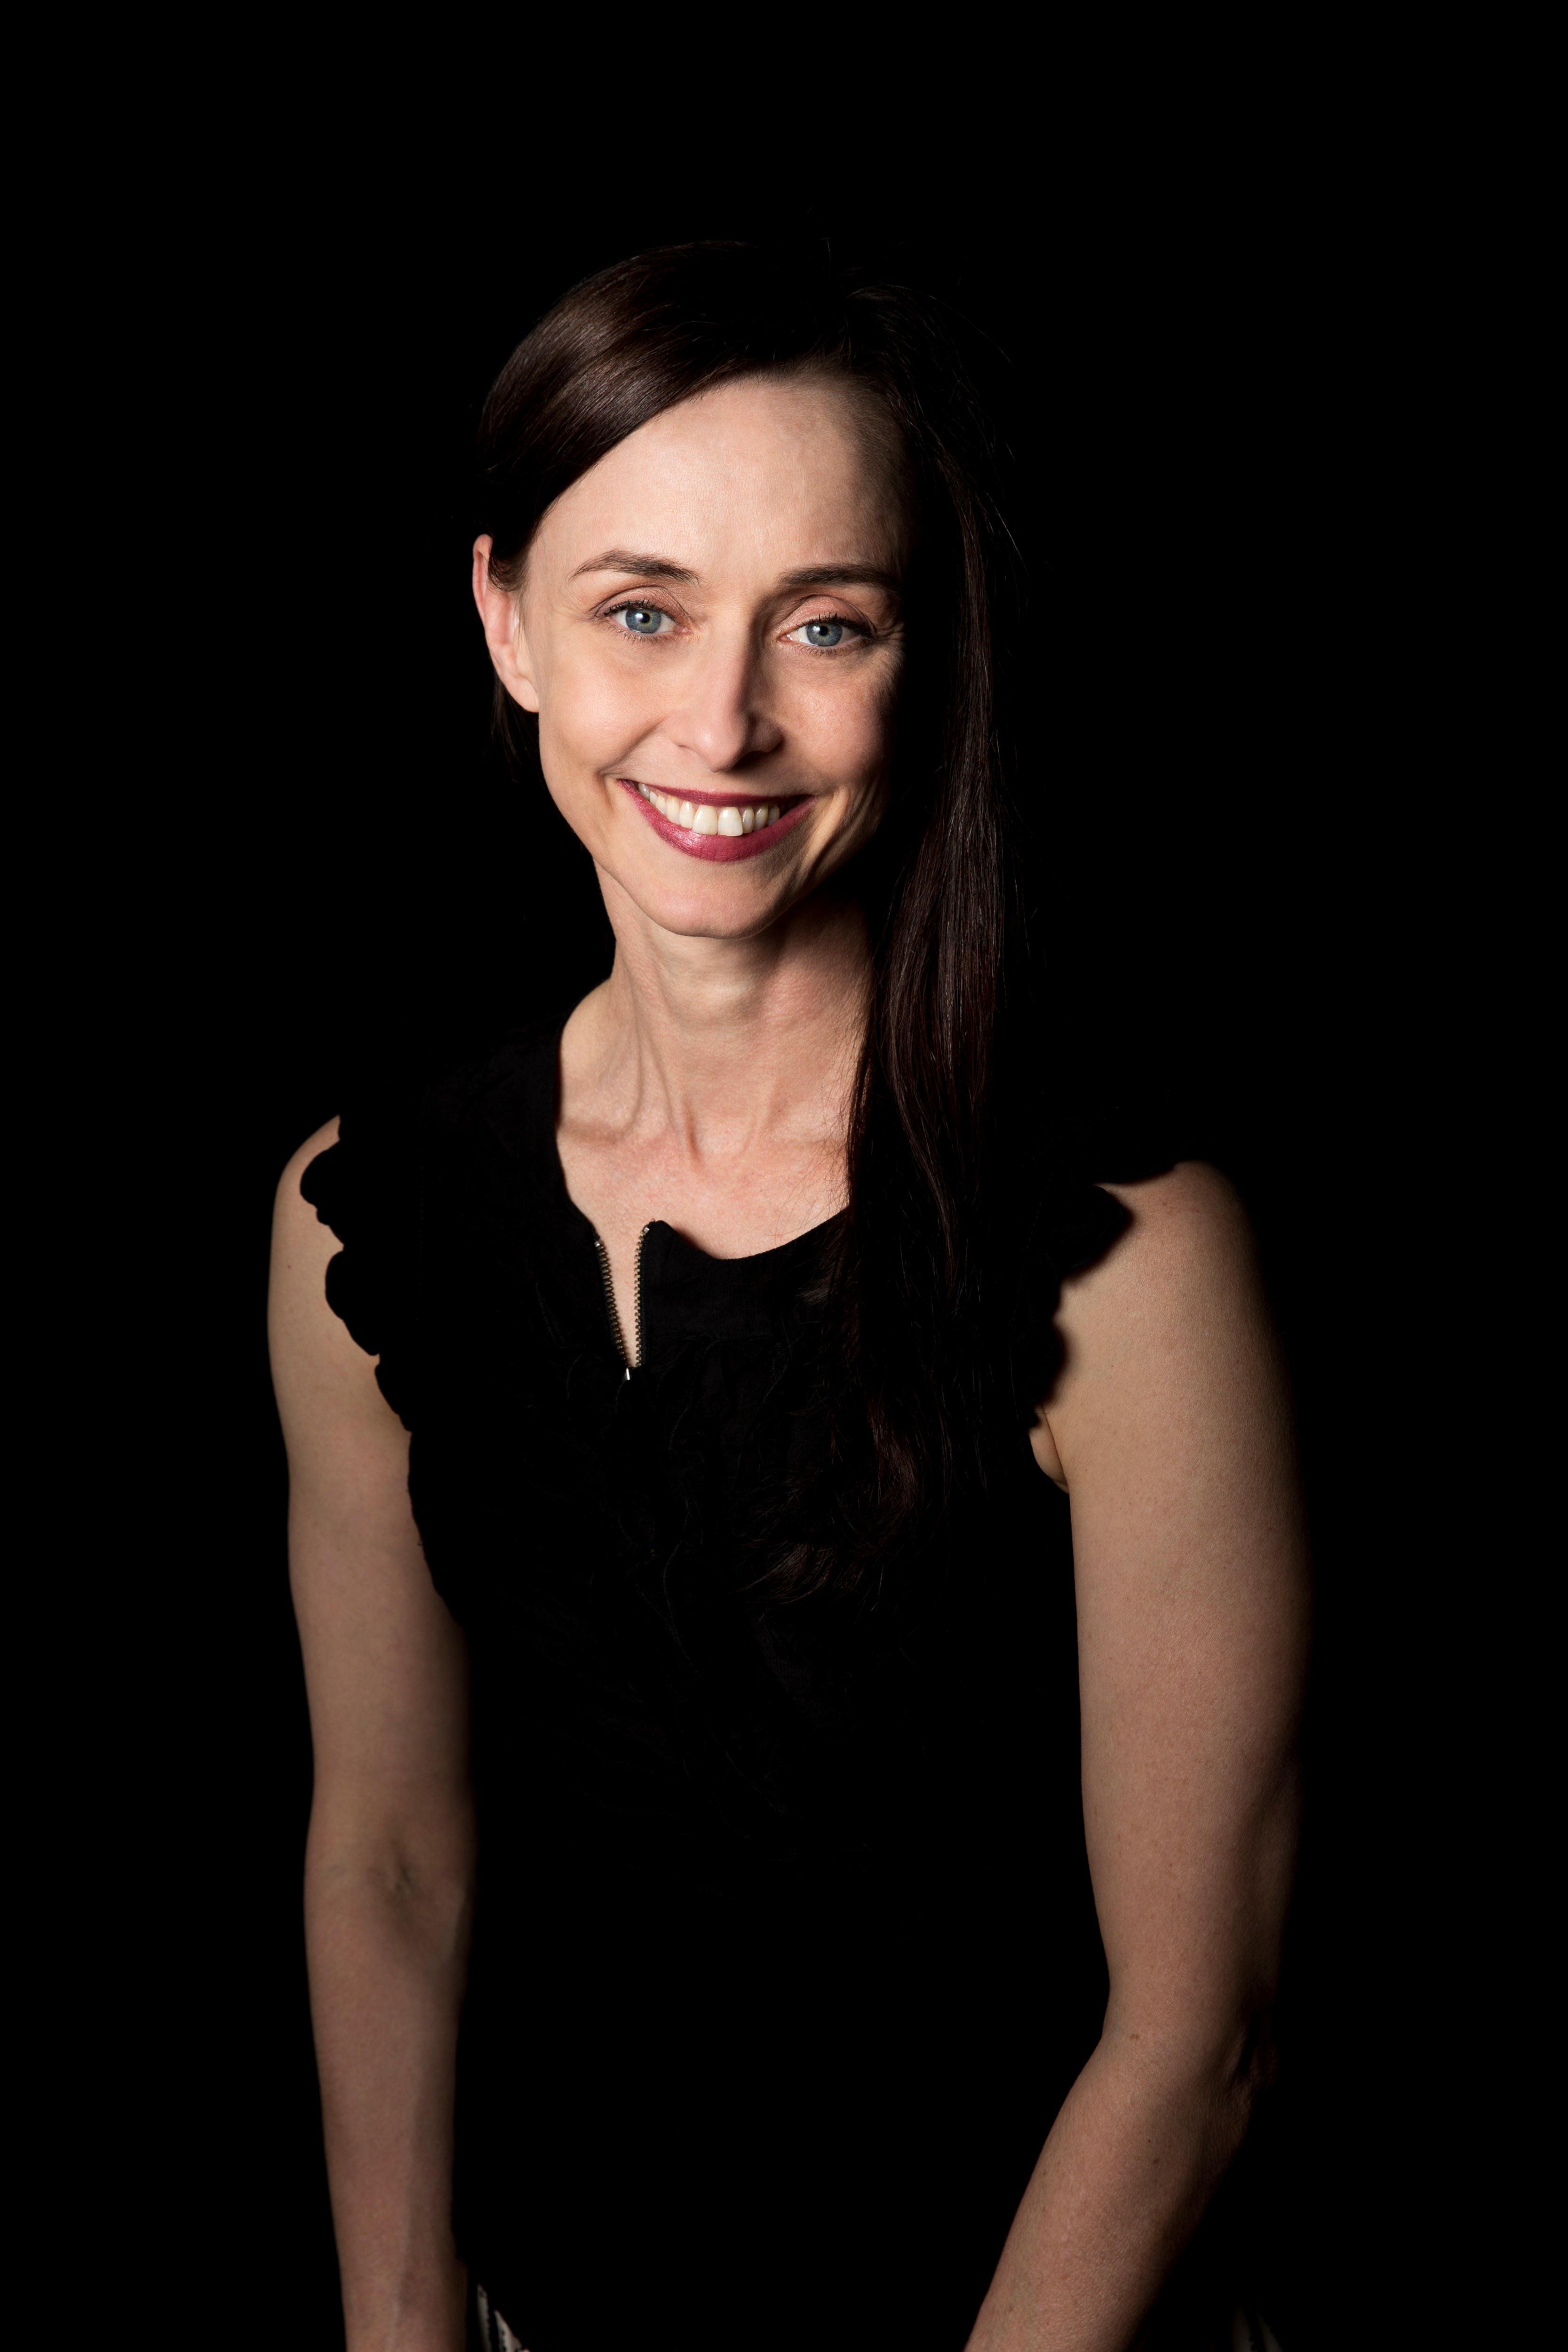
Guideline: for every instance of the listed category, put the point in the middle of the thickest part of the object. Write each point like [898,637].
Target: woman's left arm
[1171,1429]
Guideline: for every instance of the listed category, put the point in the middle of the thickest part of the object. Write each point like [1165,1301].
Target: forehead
[790,473]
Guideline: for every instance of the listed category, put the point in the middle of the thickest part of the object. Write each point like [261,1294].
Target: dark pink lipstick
[721,847]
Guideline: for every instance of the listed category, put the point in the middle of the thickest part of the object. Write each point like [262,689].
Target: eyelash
[649,604]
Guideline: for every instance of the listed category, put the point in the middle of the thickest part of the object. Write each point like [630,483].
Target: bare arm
[1171,1430]
[389,1863]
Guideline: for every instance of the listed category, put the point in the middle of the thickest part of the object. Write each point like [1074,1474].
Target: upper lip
[756,798]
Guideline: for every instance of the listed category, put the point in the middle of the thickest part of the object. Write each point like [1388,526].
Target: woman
[797,1553]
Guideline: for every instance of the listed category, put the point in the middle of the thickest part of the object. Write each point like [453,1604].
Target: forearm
[387,1962]
[1121,2183]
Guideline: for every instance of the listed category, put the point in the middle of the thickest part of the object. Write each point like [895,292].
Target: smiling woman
[859,1871]
[780,672]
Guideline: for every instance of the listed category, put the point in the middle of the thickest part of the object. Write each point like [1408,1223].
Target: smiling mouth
[730,818]
[707,825]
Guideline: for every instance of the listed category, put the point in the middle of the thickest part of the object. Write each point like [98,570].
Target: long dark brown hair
[907,1364]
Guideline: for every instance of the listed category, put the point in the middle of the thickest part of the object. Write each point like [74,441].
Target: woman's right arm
[390,1859]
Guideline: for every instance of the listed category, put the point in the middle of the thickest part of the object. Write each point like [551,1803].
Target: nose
[723,715]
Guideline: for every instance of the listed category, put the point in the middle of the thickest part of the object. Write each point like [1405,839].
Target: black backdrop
[308,852]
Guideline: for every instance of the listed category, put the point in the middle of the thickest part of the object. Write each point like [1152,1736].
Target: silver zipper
[616,1332]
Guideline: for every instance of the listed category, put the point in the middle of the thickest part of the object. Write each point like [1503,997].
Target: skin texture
[1170,1429]
[389,1860]
[706,1083]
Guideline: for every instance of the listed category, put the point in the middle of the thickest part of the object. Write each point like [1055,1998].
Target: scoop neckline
[662,1224]
[752,1257]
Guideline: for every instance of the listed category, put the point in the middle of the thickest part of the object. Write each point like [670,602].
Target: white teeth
[700,817]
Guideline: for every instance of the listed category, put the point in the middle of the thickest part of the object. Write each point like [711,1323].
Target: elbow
[1240,2064]
[1242,2070]
[423,1919]
[1208,2078]
[417,1883]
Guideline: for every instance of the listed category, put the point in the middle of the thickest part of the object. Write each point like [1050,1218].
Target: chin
[710,914]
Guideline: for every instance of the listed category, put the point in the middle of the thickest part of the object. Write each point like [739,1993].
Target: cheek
[848,731]
[590,713]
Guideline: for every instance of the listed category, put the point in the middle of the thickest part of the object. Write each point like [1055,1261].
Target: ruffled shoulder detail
[366,1187]
[1068,1223]
[398,1141]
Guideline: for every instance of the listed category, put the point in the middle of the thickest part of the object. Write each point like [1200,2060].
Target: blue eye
[642,620]
[828,632]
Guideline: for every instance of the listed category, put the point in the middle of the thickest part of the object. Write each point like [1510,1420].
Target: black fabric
[785,1951]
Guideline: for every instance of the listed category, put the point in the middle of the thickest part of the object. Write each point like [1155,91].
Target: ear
[500,612]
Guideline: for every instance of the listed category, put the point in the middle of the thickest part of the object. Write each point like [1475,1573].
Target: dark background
[1224,420]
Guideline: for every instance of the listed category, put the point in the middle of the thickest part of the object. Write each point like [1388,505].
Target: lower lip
[721,847]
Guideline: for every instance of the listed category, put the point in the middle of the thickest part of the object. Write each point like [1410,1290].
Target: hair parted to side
[908,1367]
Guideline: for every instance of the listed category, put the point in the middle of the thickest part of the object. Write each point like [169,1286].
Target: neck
[724,1044]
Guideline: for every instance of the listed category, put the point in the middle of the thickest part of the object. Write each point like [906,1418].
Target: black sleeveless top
[785,1952]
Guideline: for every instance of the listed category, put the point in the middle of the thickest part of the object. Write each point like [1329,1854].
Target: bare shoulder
[1176,1304]
[290,1198]
[324,1382]
[302,1247]
[384,1664]
[1172,1431]
[1190,1238]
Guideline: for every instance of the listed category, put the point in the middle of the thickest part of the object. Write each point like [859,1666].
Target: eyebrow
[862,575]
[651,567]
[812,576]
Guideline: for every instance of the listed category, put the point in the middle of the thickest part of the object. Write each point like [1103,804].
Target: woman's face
[709,631]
